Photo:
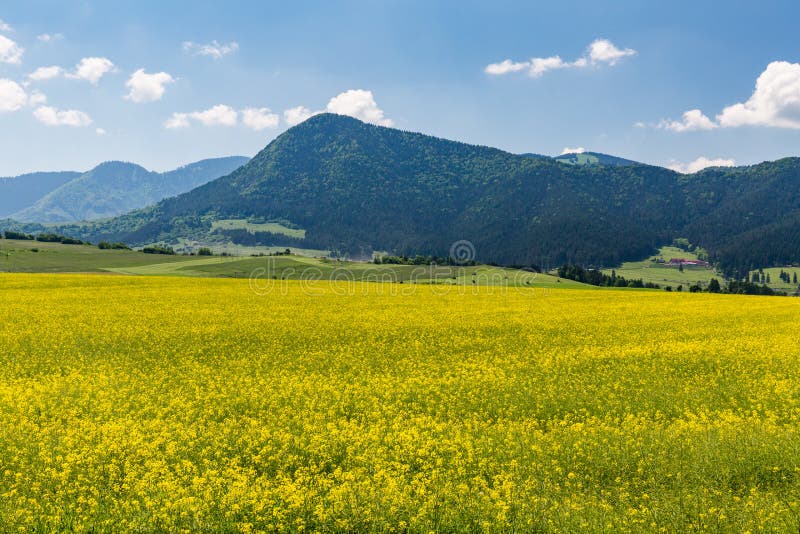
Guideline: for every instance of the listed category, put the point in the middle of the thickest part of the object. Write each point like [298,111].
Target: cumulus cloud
[100,131]
[506,66]
[604,51]
[360,104]
[700,164]
[10,52]
[599,52]
[213,49]
[219,115]
[774,102]
[37,98]
[4,27]
[577,150]
[49,37]
[45,73]
[55,117]
[357,103]
[91,69]
[12,96]
[259,118]
[145,87]
[692,120]
[294,116]
[177,120]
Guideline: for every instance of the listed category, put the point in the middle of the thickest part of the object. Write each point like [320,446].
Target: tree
[713,286]
[794,278]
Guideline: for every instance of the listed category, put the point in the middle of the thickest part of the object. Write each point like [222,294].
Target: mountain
[116,187]
[19,192]
[593,158]
[357,187]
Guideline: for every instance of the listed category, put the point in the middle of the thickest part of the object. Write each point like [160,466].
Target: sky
[680,84]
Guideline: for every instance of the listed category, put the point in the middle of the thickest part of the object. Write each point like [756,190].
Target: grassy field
[37,257]
[664,275]
[19,256]
[187,404]
[243,224]
[777,283]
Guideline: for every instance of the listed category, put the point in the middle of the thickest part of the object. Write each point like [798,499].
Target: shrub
[158,249]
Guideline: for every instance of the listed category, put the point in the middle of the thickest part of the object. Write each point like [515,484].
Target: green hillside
[653,270]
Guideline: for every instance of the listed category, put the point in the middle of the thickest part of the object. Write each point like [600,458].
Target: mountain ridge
[115,187]
[356,187]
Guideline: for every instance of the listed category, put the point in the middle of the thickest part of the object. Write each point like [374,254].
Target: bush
[158,249]
[21,236]
[105,245]
[204,251]
[57,238]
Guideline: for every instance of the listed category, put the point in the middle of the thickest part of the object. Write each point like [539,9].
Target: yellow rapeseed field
[175,404]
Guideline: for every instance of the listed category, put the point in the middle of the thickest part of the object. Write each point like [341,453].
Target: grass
[19,256]
[38,257]
[155,404]
[243,224]
[664,275]
[233,249]
[777,283]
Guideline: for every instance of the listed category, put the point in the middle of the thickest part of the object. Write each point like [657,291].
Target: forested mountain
[116,187]
[357,187]
[19,192]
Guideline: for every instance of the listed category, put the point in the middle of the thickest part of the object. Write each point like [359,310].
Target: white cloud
[12,96]
[774,102]
[54,117]
[178,120]
[45,73]
[213,49]
[506,66]
[259,118]
[92,69]
[147,87]
[357,103]
[294,116]
[219,115]
[577,150]
[692,120]
[10,52]
[600,51]
[4,27]
[37,98]
[604,51]
[360,104]
[49,37]
[700,164]
[100,131]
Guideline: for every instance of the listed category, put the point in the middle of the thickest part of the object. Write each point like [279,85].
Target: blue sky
[418,65]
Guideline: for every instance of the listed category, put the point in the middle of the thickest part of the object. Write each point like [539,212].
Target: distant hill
[19,192]
[355,187]
[115,187]
[593,158]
